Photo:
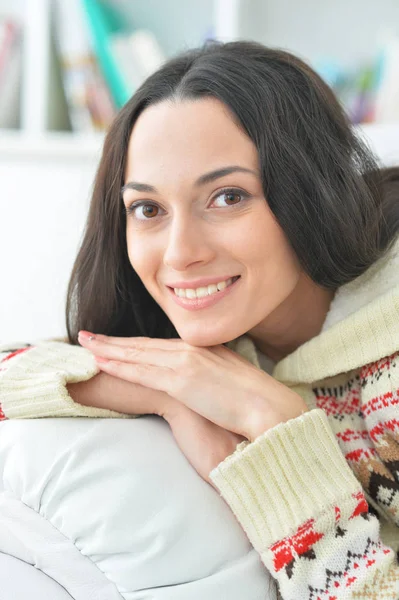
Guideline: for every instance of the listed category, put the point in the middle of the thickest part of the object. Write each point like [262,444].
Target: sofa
[111,509]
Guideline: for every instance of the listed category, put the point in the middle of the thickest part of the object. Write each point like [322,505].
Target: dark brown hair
[338,209]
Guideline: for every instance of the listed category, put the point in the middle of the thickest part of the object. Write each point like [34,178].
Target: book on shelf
[102,61]
[126,57]
[89,102]
[137,56]
[10,72]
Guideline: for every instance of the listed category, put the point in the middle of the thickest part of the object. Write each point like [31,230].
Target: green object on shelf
[103,22]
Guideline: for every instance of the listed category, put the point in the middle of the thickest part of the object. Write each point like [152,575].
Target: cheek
[266,247]
[143,261]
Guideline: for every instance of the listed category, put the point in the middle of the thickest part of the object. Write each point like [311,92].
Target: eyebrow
[202,180]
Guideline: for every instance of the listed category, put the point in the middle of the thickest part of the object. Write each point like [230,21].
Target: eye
[143,211]
[230,196]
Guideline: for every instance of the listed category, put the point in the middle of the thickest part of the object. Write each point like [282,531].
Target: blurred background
[68,66]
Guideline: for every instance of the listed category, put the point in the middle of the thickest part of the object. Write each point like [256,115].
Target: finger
[151,342]
[120,341]
[135,353]
[229,355]
[169,343]
[157,378]
[177,359]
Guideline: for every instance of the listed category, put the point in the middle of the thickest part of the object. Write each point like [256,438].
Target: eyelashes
[131,209]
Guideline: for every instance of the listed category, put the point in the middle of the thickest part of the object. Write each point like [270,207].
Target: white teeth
[212,289]
[203,291]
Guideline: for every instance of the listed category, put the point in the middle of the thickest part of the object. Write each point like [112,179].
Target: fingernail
[86,335]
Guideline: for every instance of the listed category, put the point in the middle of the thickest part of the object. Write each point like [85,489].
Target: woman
[236,217]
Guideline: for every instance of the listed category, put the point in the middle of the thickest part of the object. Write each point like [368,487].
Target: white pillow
[111,509]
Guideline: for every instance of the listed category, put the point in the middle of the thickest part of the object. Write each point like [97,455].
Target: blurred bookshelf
[52,61]
[66,65]
[53,140]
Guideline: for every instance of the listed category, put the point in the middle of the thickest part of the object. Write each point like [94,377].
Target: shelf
[380,128]
[384,137]
[50,145]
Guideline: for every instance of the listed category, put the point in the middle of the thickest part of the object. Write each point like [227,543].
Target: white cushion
[111,509]
[20,581]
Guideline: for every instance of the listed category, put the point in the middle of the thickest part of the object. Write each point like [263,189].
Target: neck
[298,319]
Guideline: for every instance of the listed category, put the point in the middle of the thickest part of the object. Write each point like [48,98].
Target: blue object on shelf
[103,22]
[330,71]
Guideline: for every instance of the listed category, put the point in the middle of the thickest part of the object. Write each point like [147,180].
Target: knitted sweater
[318,496]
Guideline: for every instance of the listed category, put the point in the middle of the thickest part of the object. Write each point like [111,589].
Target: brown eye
[149,210]
[229,198]
[143,211]
[232,198]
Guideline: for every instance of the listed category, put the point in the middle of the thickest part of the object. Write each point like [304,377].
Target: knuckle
[179,385]
[131,352]
[193,359]
[113,364]
[189,359]
[191,370]
[186,346]
[143,368]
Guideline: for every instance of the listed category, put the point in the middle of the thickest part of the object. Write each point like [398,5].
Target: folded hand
[214,382]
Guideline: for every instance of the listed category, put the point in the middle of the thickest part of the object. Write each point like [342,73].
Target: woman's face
[198,218]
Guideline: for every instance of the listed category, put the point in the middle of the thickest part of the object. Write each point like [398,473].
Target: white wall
[44,196]
[43,206]
[345,31]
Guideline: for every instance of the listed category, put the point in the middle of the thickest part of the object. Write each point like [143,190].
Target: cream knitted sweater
[318,496]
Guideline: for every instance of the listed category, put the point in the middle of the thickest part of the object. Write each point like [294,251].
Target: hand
[110,392]
[214,382]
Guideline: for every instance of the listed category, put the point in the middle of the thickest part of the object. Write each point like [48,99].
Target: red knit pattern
[12,354]
[304,544]
[286,550]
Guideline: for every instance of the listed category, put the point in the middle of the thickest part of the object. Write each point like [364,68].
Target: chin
[203,338]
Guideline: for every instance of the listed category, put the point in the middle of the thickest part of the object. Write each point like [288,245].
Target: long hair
[336,206]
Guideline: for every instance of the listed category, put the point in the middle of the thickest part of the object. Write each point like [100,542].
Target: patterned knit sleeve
[377,465]
[33,380]
[306,514]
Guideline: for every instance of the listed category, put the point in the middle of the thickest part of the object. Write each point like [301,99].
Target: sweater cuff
[34,384]
[289,474]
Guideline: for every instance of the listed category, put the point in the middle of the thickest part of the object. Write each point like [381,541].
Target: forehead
[175,137]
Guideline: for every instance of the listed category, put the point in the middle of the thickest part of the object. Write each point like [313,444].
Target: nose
[186,244]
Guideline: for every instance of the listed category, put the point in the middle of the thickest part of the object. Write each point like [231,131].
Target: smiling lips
[202,292]
[202,297]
